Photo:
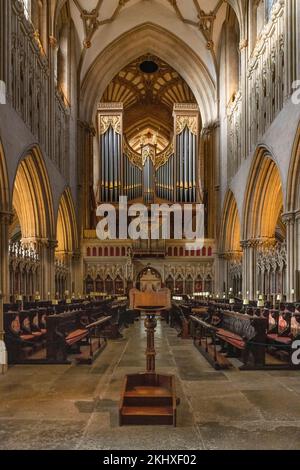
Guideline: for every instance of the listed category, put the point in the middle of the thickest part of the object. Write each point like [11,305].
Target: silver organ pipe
[110,145]
[132,179]
[186,154]
[165,180]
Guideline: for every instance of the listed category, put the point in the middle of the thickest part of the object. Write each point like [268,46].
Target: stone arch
[230,233]
[4,184]
[153,39]
[293,187]
[66,227]
[32,197]
[263,202]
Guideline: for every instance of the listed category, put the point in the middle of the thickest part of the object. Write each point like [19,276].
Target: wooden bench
[20,341]
[284,329]
[238,334]
[67,332]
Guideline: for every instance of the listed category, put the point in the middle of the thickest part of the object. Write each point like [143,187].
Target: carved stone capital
[288,218]
[243,44]
[6,218]
[53,42]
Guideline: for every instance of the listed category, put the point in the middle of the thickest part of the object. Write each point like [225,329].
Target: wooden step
[146,415]
[148,391]
[146,411]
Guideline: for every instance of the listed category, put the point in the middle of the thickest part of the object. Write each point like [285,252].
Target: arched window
[89,284]
[199,284]
[170,283]
[189,285]
[63,53]
[99,284]
[179,285]
[260,17]
[233,54]
[119,285]
[268,9]
[27,9]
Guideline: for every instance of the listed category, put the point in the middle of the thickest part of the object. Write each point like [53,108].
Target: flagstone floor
[76,407]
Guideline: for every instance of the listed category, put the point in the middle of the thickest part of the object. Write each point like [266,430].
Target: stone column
[289,221]
[244,246]
[220,273]
[5,221]
[77,273]
[297,266]
[46,250]
[243,46]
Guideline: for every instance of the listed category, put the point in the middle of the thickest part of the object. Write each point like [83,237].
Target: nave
[76,407]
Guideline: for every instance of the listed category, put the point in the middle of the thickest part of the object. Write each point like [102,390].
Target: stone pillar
[244,90]
[5,221]
[220,273]
[77,273]
[244,245]
[297,266]
[289,221]
[46,250]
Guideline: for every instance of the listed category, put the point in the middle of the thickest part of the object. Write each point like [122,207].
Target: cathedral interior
[164,102]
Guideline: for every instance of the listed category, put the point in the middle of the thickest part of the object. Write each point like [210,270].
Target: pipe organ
[133,185]
[186,120]
[148,160]
[165,180]
[111,152]
[170,175]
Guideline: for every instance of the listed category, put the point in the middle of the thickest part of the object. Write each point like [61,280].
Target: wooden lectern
[149,398]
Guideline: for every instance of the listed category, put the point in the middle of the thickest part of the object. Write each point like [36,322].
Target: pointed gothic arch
[263,202]
[32,197]
[293,187]
[66,227]
[230,233]
[155,40]
[4,184]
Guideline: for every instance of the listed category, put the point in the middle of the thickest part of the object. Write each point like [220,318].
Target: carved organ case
[186,130]
[169,175]
[110,124]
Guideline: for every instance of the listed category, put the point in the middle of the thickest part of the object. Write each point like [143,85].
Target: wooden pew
[20,344]
[66,333]
[35,336]
[235,332]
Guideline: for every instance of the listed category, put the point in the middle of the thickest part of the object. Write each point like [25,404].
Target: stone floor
[76,407]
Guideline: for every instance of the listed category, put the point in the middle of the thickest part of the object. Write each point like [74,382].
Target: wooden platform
[148,399]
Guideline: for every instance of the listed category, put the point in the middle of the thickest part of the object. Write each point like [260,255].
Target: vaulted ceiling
[198,22]
[148,89]
[191,28]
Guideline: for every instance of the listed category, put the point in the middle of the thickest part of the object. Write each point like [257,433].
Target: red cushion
[280,339]
[231,338]
[37,334]
[27,337]
[43,331]
[75,336]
